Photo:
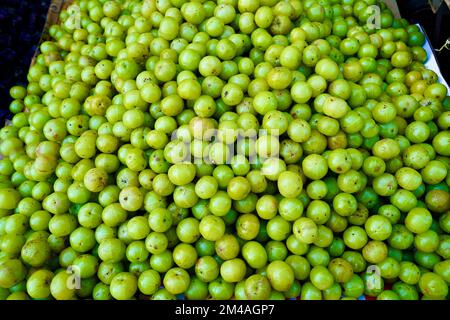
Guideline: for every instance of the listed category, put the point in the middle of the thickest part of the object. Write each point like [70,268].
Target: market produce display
[230,149]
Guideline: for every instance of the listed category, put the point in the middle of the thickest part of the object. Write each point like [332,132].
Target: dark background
[21,24]
[22,21]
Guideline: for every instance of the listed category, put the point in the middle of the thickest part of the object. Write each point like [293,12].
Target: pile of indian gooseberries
[230,149]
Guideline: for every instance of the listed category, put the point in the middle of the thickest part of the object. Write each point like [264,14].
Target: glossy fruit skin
[418,220]
[257,287]
[59,289]
[433,285]
[38,284]
[280,275]
[378,228]
[123,286]
[13,272]
[221,290]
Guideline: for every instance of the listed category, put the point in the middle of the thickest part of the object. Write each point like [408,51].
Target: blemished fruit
[226,149]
